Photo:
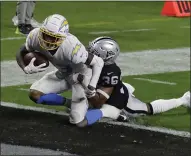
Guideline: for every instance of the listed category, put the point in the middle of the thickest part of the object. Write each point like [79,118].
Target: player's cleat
[186,99]
[22,29]
[34,23]
[122,117]
[29,27]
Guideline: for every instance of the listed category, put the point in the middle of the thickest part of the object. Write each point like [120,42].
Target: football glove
[30,68]
[90,91]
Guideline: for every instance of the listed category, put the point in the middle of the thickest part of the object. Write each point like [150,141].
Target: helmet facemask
[49,40]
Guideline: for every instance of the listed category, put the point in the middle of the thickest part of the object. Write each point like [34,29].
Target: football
[39,59]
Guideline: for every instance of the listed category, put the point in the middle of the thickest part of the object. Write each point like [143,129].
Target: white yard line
[135,126]
[7,149]
[100,32]
[185,27]
[116,31]
[103,32]
[138,30]
[132,63]
[23,89]
[135,63]
[12,38]
[155,81]
[38,109]
[152,128]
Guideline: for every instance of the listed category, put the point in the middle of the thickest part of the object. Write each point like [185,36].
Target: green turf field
[177,119]
[86,17]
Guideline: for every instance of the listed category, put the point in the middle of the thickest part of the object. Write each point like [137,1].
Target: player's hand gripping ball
[35,62]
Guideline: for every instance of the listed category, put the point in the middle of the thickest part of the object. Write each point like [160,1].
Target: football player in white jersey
[115,98]
[72,61]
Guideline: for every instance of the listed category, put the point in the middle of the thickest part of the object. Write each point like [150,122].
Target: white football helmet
[53,32]
[106,48]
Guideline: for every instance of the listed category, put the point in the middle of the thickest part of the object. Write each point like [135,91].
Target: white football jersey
[70,56]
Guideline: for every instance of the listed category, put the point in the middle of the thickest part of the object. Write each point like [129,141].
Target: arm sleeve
[97,65]
[79,54]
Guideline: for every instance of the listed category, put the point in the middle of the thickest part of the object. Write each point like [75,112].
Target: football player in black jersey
[114,98]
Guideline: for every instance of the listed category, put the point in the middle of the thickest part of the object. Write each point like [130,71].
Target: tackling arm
[101,96]
[97,65]
[80,55]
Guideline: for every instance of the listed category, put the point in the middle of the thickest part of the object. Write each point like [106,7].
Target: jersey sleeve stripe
[103,93]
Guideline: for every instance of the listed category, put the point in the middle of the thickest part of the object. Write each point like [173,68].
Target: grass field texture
[86,17]
[177,118]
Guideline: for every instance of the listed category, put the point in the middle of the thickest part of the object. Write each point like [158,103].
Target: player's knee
[34,95]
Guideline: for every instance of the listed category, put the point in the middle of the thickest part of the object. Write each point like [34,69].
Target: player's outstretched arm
[81,55]
[97,64]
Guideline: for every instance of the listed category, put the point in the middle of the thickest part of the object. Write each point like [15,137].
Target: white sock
[109,111]
[162,105]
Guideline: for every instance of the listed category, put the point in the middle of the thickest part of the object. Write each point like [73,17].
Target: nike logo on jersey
[109,73]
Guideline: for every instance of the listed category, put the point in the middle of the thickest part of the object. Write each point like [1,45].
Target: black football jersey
[111,77]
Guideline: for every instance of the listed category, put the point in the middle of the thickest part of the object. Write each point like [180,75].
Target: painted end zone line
[155,81]
[135,126]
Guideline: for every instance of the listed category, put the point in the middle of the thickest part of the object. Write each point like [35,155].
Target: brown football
[40,58]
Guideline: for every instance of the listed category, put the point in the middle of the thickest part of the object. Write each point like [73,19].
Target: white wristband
[103,93]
